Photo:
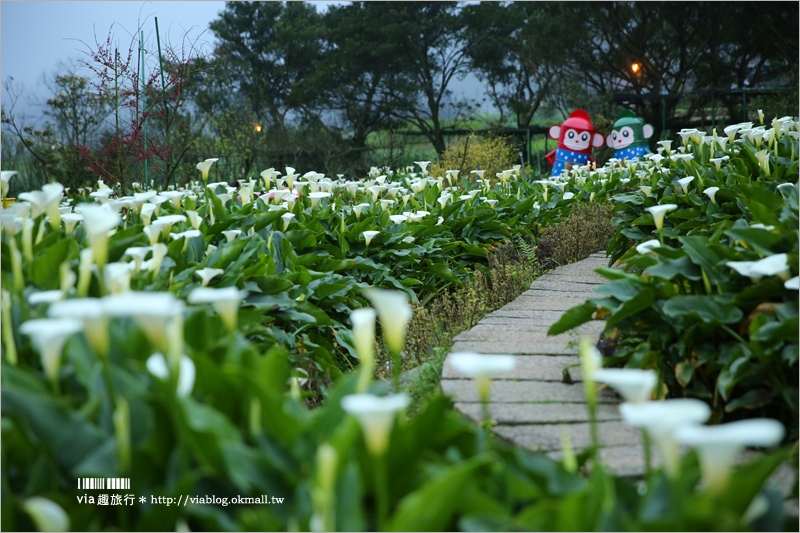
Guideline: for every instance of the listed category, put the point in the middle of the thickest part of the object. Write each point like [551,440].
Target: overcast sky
[37,38]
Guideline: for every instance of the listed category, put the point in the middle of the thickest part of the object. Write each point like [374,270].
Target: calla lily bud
[85,271]
[323,493]
[363,322]
[157,365]
[394,314]
[46,514]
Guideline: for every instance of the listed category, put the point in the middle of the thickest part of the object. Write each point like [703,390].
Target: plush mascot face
[577,134]
[629,131]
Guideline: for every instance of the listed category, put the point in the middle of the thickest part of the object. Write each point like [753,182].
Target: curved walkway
[532,403]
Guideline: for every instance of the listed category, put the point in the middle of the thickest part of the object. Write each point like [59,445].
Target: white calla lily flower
[635,385]
[684,183]
[287,219]
[376,417]
[369,235]
[482,368]
[152,311]
[92,313]
[394,312]
[647,246]
[46,514]
[49,336]
[718,445]
[661,420]
[226,301]
[5,178]
[157,365]
[659,212]
[363,322]
[205,166]
[207,274]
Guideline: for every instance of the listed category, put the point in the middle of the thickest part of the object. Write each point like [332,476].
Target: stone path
[532,403]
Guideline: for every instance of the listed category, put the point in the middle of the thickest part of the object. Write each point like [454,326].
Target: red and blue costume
[576,138]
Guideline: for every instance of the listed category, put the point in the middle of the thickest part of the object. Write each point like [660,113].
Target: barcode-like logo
[104,483]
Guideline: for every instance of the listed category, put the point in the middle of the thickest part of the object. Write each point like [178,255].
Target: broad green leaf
[573,318]
[431,507]
[706,308]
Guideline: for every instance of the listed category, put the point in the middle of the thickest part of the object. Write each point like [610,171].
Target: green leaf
[705,308]
[670,268]
[444,272]
[69,437]
[46,265]
[643,299]
[432,506]
[573,318]
[752,399]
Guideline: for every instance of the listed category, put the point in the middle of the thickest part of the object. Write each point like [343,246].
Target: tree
[519,49]
[430,51]
[681,47]
[353,76]
[155,99]
[267,49]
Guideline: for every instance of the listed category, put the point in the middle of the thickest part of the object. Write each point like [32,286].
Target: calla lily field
[230,341]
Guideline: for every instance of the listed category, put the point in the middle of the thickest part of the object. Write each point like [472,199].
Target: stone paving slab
[585,278]
[515,348]
[531,403]
[537,413]
[533,338]
[538,314]
[626,461]
[531,367]
[547,285]
[547,437]
[529,302]
[463,390]
[517,324]
[538,293]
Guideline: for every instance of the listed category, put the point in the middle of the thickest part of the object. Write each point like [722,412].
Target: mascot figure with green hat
[629,136]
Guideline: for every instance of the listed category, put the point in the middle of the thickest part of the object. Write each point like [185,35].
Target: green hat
[641,131]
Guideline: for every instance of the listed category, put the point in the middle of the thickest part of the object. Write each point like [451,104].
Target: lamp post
[637,72]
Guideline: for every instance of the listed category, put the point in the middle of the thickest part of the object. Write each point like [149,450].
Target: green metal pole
[713,111]
[144,108]
[744,106]
[164,96]
[528,133]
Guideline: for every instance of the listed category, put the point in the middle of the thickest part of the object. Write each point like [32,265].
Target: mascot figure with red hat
[576,138]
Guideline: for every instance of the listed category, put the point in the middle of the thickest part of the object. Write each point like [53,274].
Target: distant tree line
[287,83]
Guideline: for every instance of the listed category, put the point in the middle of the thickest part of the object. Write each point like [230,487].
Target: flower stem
[381,491]
[648,470]
[109,381]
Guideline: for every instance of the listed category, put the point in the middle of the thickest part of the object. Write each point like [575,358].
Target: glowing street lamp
[257,127]
[637,72]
